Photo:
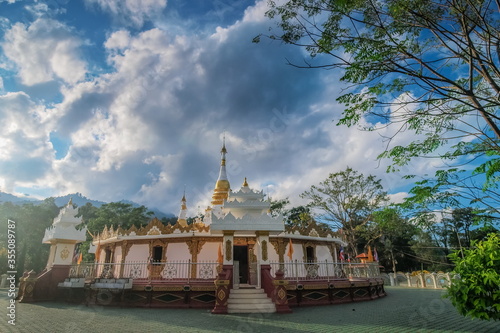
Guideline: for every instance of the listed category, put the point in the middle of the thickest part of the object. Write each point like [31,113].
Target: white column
[263,247]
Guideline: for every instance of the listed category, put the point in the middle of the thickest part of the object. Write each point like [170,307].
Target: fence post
[296,271]
[434,280]
[422,279]
[409,279]
[327,274]
[391,279]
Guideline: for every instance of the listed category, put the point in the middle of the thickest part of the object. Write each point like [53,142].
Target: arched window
[108,254]
[310,254]
[157,253]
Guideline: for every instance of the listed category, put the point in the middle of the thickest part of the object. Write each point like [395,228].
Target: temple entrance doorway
[241,256]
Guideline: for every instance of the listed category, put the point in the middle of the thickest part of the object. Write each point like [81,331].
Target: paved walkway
[403,310]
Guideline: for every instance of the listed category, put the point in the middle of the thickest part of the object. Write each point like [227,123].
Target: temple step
[249,301]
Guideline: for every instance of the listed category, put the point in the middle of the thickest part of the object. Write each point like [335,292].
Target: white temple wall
[118,254]
[271,252]
[298,253]
[117,259]
[323,253]
[178,252]
[210,252]
[138,252]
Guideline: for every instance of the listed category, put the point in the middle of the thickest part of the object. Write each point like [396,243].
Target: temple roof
[63,226]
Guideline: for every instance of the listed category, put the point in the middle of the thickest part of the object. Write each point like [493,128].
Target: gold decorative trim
[125,249]
[229,250]
[154,227]
[279,247]
[167,288]
[222,282]
[264,250]
[315,286]
[204,288]
[312,229]
[280,282]
[240,241]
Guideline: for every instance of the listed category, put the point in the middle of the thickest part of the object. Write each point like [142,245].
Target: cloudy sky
[130,99]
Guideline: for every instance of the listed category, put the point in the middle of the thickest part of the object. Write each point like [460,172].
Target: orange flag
[290,250]
[220,257]
[80,257]
[370,255]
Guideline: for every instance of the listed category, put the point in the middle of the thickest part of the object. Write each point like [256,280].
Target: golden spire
[183,212]
[222,185]
[245,184]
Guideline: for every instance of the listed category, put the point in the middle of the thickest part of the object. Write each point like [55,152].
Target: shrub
[476,290]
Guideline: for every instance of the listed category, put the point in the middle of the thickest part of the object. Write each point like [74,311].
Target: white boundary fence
[422,280]
[300,271]
[179,270]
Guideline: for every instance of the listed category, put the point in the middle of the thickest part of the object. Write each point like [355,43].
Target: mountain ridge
[78,199]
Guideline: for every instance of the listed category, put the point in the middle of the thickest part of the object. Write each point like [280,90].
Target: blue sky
[130,99]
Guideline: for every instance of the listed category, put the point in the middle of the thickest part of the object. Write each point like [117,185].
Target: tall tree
[428,66]
[30,221]
[115,214]
[347,201]
[392,234]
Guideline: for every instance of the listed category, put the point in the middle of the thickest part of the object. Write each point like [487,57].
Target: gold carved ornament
[264,250]
[64,253]
[229,250]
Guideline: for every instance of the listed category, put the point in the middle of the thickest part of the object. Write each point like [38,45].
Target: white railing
[171,270]
[300,271]
[432,280]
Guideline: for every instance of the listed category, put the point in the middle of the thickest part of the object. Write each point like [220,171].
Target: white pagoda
[63,236]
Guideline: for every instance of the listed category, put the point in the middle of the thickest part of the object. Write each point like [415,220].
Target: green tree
[460,223]
[347,200]
[426,66]
[392,234]
[429,254]
[456,189]
[114,214]
[277,207]
[31,222]
[476,290]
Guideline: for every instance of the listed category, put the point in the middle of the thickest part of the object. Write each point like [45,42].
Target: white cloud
[131,12]
[153,123]
[25,153]
[119,40]
[44,51]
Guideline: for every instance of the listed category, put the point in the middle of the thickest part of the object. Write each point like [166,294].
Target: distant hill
[7,197]
[78,199]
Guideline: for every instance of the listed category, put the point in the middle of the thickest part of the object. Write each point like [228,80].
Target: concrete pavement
[403,310]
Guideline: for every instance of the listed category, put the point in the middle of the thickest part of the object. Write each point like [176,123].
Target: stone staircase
[249,300]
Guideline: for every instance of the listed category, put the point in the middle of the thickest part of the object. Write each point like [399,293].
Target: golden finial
[245,184]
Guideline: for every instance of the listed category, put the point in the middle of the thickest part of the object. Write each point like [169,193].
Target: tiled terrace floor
[403,310]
